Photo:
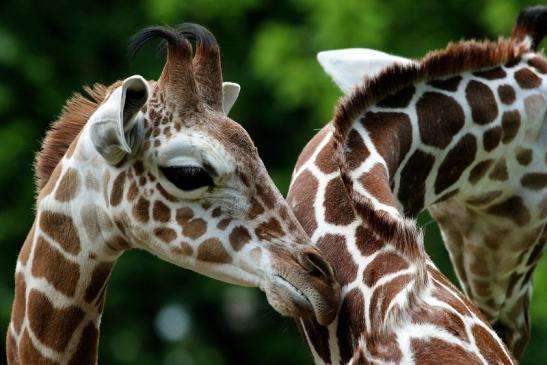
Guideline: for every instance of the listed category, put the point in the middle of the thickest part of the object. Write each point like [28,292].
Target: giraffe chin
[288,300]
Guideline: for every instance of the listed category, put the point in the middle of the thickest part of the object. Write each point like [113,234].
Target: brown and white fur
[462,128]
[156,166]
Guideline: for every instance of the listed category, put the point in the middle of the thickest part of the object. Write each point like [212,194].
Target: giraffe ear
[230,92]
[116,127]
[348,67]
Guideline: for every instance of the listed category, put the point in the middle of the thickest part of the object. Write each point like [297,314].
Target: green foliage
[50,49]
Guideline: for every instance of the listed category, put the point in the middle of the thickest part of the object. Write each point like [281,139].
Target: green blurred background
[157,313]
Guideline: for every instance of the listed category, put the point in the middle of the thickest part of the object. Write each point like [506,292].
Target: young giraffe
[465,127]
[169,173]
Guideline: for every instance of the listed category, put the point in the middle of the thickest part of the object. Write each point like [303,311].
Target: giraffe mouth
[297,296]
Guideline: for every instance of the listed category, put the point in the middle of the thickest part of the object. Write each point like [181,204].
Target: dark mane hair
[64,130]
[457,58]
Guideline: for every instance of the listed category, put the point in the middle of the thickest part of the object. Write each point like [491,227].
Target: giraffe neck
[468,136]
[62,272]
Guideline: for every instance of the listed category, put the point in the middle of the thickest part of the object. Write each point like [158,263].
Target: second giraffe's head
[164,169]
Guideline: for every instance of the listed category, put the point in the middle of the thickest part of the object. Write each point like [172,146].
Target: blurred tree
[157,313]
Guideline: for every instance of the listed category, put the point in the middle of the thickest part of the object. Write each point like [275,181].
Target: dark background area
[155,312]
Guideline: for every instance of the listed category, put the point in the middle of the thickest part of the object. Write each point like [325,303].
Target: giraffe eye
[187,177]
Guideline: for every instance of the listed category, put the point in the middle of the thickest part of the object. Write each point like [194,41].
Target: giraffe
[156,166]
[461,131]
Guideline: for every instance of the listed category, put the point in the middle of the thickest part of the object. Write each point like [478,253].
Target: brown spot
[376,182]
[310,148]
[141,210]
[45,320]
[384,264]
[319,338]
[28,354]
[456,161]
[239,237]
[366,241]
[212,250]
[68,186]
[524,156]
[50,185]
[216,212]
[491,138]
[301,198]
[412,186]
[350,323]
[184,248]
[269,229]
[161,212]
[11,349]
[491,74]
[195,228]
[333,247]
[398,100]
[527,79]
[499,172]
[165,234]
[384,295]
[450,84]
[132,192]
[484,198]
[98,281]
[490,349]
[19,302]
[325,160]
[338,209]
[61,229]
[534,180]
[507,94]
[224,223]
[445,319]
[256,208]
[539,63]
[512,208]
[356,151]
[184,215]
[87,349]
[116,194]
[510,123]
[27,246]
[480,97]
[429,351]
[437,112]
[391,134]
[513,62]
[51,265]
[267,195]
[479,170]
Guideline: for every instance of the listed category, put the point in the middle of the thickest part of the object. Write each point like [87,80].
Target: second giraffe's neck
[450,138]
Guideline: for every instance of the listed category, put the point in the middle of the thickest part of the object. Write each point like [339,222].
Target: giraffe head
[173,175]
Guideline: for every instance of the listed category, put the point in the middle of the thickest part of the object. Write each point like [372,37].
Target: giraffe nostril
[316,265]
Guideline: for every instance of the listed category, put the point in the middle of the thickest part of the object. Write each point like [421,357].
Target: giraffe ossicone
[462,131]
[156,166]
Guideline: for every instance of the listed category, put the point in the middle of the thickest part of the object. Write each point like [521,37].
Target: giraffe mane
[456,58]
[65,129]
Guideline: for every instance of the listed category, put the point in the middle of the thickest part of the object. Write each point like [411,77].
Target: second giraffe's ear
[230,92]
[116,127]
[347,67]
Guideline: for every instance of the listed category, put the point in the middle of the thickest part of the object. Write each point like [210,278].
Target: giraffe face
[190,187]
